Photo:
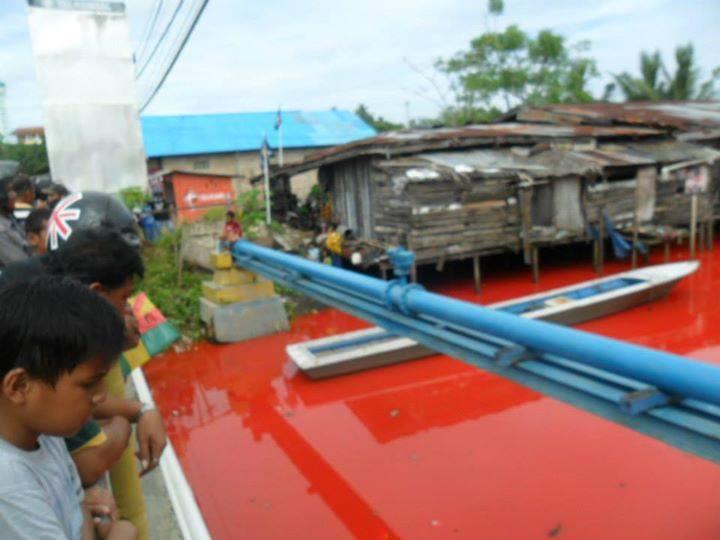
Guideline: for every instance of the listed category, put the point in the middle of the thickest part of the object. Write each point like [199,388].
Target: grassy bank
[176,294]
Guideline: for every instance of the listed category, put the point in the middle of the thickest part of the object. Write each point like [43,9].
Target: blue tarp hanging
[621,247]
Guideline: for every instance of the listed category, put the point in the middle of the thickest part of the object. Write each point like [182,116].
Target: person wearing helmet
[13,246]
[91,210]
[77,212]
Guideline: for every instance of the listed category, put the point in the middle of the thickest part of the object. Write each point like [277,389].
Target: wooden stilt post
[525,198]
[708,234]
[383,272]
[693,224]
[711,233]
[635,241]
[476,273]
[535,264]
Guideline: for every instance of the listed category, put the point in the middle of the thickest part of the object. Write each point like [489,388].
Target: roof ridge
[284,111]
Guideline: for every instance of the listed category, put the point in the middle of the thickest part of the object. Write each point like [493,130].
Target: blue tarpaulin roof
[243,132]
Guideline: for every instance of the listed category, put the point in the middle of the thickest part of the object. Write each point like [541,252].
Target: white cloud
[322,53]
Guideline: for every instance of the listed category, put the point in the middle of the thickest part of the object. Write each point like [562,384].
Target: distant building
[229,144]
[30,135]
[3,112]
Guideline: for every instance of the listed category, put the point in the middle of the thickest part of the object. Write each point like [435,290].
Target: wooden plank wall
[441,217]
[444,217]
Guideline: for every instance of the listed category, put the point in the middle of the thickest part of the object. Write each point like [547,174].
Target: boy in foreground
[58,339]
[105,263]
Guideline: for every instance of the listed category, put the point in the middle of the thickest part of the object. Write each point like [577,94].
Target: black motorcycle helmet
[90,210]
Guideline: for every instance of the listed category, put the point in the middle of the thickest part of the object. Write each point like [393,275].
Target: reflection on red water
[434,448]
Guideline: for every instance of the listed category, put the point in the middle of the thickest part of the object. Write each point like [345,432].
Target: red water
[435,448]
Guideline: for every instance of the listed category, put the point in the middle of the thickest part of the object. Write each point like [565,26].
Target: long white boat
[375,347]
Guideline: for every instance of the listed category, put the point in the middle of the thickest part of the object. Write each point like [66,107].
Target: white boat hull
[374,347]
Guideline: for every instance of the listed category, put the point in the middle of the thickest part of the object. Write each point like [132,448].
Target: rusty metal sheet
[682,115]
[666,152]
[474,136]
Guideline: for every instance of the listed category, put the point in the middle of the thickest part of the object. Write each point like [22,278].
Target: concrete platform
[237,322]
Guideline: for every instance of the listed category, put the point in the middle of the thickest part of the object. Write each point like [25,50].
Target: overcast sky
[316,54]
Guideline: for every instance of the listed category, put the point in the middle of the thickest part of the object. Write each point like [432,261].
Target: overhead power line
[149,30]
[176,56]
[161,38]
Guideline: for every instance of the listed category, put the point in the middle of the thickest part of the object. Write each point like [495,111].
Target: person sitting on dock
[232,231]
[58,340]
[334,245]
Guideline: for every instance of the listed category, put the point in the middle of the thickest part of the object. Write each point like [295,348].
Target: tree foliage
[377,122]
[31,157]
[135,197]
[502,70]
[496,7]
[655,81]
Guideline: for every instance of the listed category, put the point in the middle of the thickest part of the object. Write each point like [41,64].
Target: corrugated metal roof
[243,132]
[682,115]
[482,135]
[546,163]
[667,152]
[551,163]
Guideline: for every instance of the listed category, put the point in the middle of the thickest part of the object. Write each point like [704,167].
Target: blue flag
[278,119]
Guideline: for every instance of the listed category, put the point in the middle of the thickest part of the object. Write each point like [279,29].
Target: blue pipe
[670,373]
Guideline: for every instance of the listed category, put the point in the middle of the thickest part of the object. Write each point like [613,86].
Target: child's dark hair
[5,189]
[59,189]
[230,214]
[50,325]
[22,184]
[98,255]
[35,222]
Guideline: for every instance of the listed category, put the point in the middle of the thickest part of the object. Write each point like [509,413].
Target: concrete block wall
[238,304]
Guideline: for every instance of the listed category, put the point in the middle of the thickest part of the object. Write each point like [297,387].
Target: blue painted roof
[243,132]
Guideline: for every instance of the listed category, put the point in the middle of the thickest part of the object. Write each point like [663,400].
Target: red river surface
[436,448]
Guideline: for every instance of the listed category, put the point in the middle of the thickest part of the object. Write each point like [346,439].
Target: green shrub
[135,197]
[251,206]
[215,214]
[176,295]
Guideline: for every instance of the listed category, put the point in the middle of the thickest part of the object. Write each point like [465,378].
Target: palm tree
[656,83]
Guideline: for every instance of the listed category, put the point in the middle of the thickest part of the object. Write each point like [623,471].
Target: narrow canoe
[375,347]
